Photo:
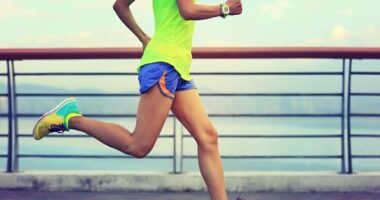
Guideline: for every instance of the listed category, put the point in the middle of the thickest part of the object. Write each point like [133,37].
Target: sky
[93,23]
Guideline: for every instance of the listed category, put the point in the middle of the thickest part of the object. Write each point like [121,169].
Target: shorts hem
[148,88]
[162,92]
[192,88]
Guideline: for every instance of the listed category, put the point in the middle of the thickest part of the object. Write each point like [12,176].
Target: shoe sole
[52,111]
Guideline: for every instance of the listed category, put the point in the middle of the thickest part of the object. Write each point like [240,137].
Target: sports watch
[224,10]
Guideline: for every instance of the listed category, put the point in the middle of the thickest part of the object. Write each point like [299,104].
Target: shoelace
[57,128]
[238,198]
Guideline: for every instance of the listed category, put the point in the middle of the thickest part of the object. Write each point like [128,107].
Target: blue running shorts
[165,76]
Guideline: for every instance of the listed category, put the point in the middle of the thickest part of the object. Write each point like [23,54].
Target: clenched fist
[235,6]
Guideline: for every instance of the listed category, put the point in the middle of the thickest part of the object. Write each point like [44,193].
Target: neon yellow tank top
[172,40]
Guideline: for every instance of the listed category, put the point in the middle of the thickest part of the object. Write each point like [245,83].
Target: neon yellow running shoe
[56,120]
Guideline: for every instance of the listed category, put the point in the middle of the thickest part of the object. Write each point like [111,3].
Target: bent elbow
[116,5]
[186,14]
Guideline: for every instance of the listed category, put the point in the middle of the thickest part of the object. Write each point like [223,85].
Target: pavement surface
[30,195]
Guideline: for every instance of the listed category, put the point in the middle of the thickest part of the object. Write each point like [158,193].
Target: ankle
[74,122]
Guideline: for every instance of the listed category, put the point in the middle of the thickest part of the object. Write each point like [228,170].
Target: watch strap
[221,10]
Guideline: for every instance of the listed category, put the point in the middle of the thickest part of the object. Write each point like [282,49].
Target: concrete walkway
[30,195]
[78,181]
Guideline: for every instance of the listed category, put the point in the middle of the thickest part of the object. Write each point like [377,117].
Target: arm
[122,10]
[191,11]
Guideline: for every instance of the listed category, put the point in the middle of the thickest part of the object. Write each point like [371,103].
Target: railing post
[178,146]
[350,169]
[346,123]
[343,119]
[12,161]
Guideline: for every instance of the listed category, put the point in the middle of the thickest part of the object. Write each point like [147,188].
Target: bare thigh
[152,112]
[189,110]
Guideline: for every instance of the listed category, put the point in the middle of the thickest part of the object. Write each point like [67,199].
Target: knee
[138,150]
[141,153]
[209,138]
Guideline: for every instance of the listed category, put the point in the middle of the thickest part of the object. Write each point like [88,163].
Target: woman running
[165,84]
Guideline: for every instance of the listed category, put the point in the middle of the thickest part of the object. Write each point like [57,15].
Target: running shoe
[57,119]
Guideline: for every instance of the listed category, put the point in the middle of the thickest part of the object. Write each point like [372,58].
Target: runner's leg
[188,108]
[151,115]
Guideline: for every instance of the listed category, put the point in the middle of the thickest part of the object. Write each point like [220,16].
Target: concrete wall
[235,182]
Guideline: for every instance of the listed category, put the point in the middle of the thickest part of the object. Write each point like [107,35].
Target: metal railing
[347,55]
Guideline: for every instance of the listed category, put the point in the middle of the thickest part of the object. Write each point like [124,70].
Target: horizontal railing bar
[77,94]
[273,157]
[364,115]
[198,53]
[193,73]
[3,135]
[189,136]
[3,156]
[3,74]
[275,136]
[87,115]
[3,115]
[366,135]
[76,74]
[365,73]
[364,94]
[210,115]
[87,156]
[25,135]
[220,136]
[271,94]
[265,73]
[365,156]
[275,115]
[202,94]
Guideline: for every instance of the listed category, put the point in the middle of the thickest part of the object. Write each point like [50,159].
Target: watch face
[226,10]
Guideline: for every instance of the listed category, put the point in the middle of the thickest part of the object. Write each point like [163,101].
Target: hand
[235,6]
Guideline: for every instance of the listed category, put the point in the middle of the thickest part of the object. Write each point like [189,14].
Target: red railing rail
[199,53]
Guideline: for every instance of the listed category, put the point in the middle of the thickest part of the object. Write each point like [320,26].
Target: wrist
[144,38]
